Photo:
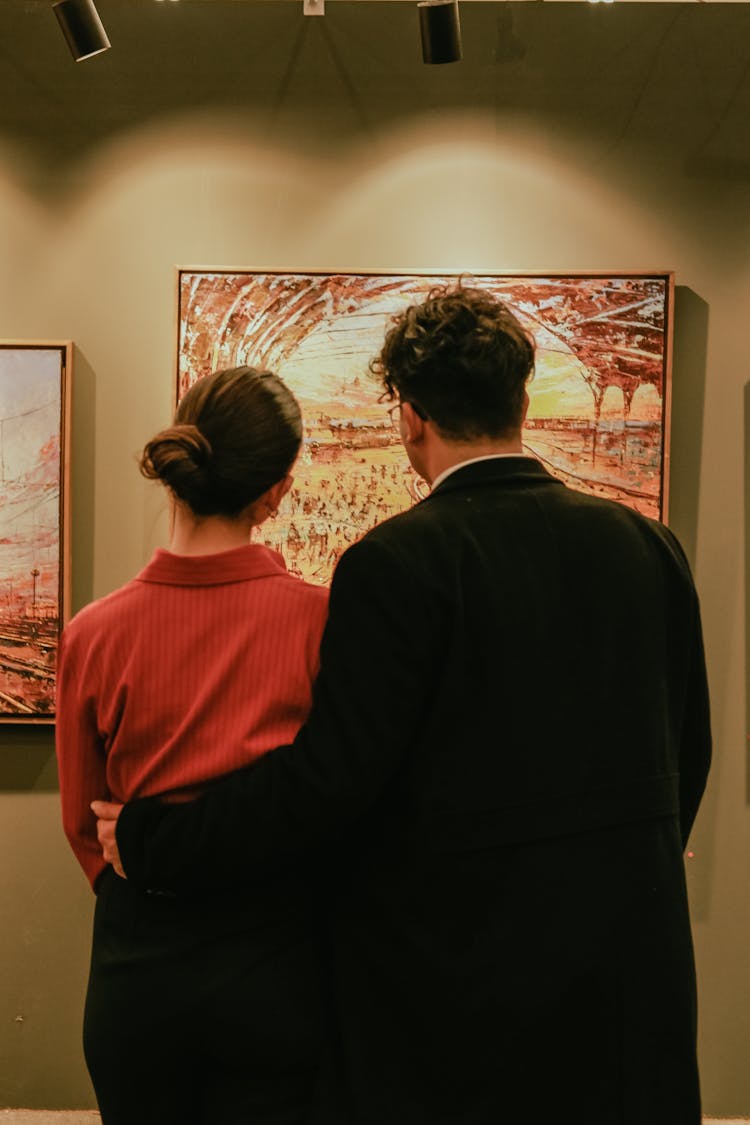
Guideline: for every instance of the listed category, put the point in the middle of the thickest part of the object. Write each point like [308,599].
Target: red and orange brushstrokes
[597,416]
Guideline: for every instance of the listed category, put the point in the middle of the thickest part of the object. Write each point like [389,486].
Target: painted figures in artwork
[30,427]
[598,408]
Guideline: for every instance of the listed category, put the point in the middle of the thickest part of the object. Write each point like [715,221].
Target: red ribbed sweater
[194,668]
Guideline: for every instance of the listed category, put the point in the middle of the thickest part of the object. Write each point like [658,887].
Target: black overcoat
[507,749]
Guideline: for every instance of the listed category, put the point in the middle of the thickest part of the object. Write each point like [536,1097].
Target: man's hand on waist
[107,813]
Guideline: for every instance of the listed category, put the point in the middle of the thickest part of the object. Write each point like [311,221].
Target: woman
[201,1011]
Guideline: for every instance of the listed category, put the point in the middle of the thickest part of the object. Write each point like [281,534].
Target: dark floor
[87,1117]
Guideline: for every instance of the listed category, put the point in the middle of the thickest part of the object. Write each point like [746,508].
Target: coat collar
[235,565]
[496,470]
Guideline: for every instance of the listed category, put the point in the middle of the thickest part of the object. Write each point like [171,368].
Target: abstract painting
[599,407]
[34,392]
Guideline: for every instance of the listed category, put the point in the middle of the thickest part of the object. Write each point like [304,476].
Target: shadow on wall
[686,423]
[690,342]
[27,762]
[83,433]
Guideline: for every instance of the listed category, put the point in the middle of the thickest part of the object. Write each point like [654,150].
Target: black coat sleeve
[377,677]
[695,741]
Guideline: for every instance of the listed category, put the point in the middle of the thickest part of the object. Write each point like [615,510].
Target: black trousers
[202,1012]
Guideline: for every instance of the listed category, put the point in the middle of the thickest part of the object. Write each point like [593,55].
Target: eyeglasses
[394,417]
[394,414]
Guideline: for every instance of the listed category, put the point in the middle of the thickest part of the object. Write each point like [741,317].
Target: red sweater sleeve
[81,758]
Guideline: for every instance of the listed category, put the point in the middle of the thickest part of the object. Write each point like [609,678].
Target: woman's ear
[267,504]
[278,491]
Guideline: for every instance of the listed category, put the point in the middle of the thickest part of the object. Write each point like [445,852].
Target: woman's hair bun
[236,433]
[179,457]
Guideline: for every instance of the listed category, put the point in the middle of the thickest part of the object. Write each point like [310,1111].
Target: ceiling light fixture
[440,31]
[81,27]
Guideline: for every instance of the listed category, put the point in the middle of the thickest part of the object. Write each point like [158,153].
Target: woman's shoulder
[307,593]
[91,617]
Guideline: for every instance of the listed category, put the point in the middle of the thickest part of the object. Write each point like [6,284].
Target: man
[507,749]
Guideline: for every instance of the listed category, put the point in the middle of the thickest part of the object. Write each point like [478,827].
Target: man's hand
[107,813]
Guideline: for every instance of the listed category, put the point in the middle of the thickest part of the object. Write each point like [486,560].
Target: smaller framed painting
[35,378]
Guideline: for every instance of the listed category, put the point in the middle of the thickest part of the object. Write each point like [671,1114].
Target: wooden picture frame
[35,382]
[600,397]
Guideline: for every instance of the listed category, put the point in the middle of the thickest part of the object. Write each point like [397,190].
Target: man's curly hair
[463,359]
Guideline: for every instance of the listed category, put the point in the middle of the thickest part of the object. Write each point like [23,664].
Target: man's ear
[412,424]
[525,406]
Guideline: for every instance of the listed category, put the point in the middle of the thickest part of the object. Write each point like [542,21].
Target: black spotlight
[81,27]
[440,31]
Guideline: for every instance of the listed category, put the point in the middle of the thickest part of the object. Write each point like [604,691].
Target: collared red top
[194,668]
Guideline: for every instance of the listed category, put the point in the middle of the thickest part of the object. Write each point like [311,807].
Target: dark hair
[462,359]
[236,433]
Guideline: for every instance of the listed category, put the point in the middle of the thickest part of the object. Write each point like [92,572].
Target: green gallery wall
[572,137]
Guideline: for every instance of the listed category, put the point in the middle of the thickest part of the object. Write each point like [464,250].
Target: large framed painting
[34,580]
[599,411]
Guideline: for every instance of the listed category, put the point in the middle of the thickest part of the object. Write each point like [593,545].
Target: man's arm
[378,674]
[695,748]
[695,732]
